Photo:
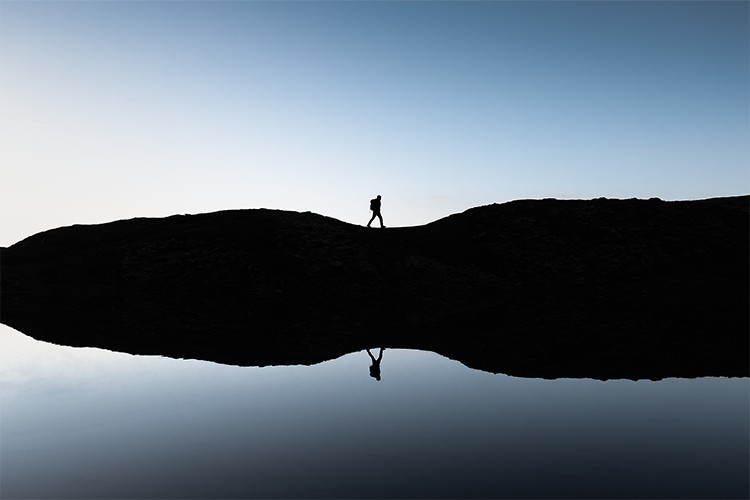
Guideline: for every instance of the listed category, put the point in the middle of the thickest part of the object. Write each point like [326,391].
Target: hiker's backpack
[374,204]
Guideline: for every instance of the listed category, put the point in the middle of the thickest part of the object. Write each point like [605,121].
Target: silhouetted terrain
[545,288]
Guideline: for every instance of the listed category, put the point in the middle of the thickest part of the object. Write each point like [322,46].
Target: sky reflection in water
[88,423]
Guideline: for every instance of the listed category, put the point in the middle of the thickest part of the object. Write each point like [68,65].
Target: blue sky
[112,110]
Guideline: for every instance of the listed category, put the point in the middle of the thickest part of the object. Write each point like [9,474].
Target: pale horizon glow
[115,110]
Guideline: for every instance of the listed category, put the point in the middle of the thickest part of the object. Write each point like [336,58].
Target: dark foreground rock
[546,288]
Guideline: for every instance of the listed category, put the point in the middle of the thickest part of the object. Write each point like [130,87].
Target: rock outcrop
[544,288]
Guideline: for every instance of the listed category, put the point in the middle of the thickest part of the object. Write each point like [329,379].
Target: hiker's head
[378,196]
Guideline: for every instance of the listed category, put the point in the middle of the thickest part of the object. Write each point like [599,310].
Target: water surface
[89,423]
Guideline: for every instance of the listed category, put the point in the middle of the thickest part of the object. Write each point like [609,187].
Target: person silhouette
[375,367]
[375,207]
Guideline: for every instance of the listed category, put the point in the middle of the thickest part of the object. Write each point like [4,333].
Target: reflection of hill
[601,288]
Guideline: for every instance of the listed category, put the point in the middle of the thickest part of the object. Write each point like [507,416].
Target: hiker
[375,207]
[375,367]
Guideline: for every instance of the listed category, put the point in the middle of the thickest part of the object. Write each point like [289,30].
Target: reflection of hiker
[375,368]
[375,207]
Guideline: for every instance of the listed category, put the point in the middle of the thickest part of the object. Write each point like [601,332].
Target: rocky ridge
[546,288]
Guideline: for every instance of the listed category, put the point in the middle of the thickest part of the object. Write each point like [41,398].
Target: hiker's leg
[371,219]
[381,219]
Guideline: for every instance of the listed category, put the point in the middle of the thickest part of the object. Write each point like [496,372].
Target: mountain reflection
[218,328]
[154,427]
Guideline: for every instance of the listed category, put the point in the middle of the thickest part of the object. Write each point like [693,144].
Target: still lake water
[89,423]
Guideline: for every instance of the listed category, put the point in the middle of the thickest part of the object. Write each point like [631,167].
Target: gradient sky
[112,110]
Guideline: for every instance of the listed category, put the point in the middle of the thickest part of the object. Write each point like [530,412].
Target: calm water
[88,423]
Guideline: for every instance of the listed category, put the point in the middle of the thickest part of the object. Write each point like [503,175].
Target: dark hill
[547,288]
